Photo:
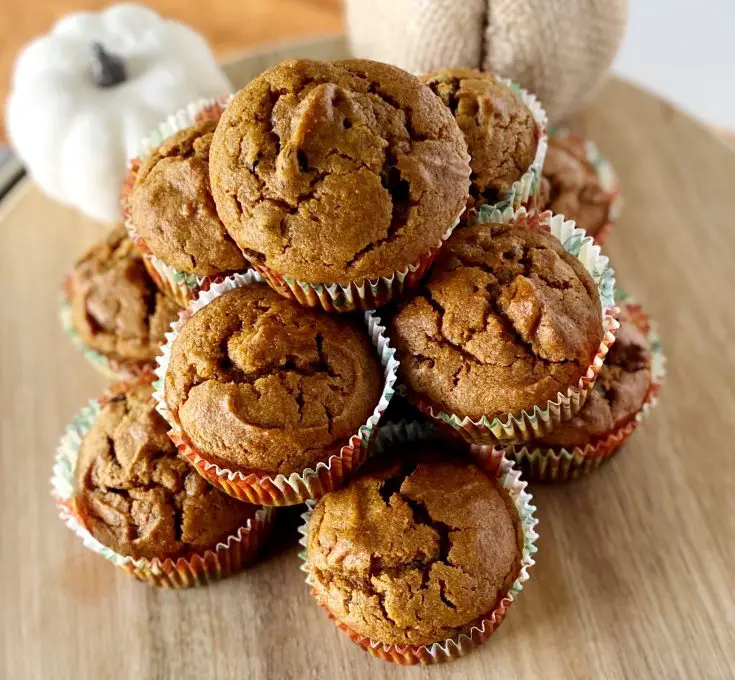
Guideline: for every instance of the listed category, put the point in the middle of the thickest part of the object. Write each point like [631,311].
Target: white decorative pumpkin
[85,95]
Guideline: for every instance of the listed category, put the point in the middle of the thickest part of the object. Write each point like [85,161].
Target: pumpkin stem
[108,69]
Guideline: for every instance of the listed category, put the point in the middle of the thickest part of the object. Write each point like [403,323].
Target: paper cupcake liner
[362,294]
[110,368]
[497,466]
[542,418]
[264,489]
[179,285]
[606,175]
[524,193]
[561,464]
[196,569]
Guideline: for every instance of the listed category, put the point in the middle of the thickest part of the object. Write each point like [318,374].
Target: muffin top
[261,384]
[136,495]
[414,549]
[618,395]
[172,209]
[507,319]
[570,185]
[499,128]
[337,171]
[116,308]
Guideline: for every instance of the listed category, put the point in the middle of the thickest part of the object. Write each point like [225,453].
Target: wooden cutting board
[635,567]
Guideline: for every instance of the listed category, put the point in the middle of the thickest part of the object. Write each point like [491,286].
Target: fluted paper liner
[542,418]
[524,192]
[561,464]
[492,461]
[198,568]
[176,284]
[606,176]
[280,489]
[110,368]
[361,294]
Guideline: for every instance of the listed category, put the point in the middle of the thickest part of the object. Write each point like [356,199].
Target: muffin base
[279,489]
[498,467]
[195,569]
[561,464]
[543,417]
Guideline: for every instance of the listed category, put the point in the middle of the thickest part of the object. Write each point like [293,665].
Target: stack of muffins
[332,234]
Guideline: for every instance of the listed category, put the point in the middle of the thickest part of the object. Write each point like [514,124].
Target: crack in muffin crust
[337,171]
[506,320]
[261,384]
[414,550]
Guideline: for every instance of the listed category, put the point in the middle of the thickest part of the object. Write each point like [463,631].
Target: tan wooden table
[635,574]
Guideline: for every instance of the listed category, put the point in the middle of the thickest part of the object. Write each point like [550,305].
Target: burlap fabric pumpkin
[558,49]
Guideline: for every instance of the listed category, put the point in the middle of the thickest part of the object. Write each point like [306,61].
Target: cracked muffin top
[499,128]
[414,549]
[261,384]
[136,495]
[337,171]
[116,308]
[172,208]
[571,186]
[618,395]
[507,320]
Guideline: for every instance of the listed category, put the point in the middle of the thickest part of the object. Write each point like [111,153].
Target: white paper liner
[62,490]
[524,192]
[558,465]
[298,486]
[509,478]
[541,419]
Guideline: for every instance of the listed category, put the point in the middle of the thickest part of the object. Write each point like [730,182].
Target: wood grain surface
[635,567]
[227,25]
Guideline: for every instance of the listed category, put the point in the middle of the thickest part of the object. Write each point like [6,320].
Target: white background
[684,50]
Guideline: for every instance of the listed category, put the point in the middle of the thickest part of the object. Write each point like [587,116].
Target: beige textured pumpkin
[558,49]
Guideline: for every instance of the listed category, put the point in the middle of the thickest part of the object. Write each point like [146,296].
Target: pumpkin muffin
[500,130]
[172,210]
[571,185]
[617,397]
[116,310]
[507,320]
[416,548]
[136,496]
[334,172]
[259,384]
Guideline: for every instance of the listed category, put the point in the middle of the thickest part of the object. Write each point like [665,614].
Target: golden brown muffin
[117,310]
[261,384]
[415,549]
[335,172]
[618,395]
[570,185]
[501,133]
[172,209]
[136,495]
[507,320]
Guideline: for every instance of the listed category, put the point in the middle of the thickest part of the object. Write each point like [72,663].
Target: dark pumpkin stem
[108,69]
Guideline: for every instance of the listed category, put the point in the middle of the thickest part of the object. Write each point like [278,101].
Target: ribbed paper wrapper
[195,569]
[498,467]
[561,464]
[542,418]
[281,489]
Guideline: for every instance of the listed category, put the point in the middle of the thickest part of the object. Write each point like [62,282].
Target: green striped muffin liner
[281,489]
[547,464]
[177,284]
[110,368]
[542,418]
[195,569]
[523,193]
[498,467]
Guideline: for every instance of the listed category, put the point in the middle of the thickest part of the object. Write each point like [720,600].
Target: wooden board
[635,568]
